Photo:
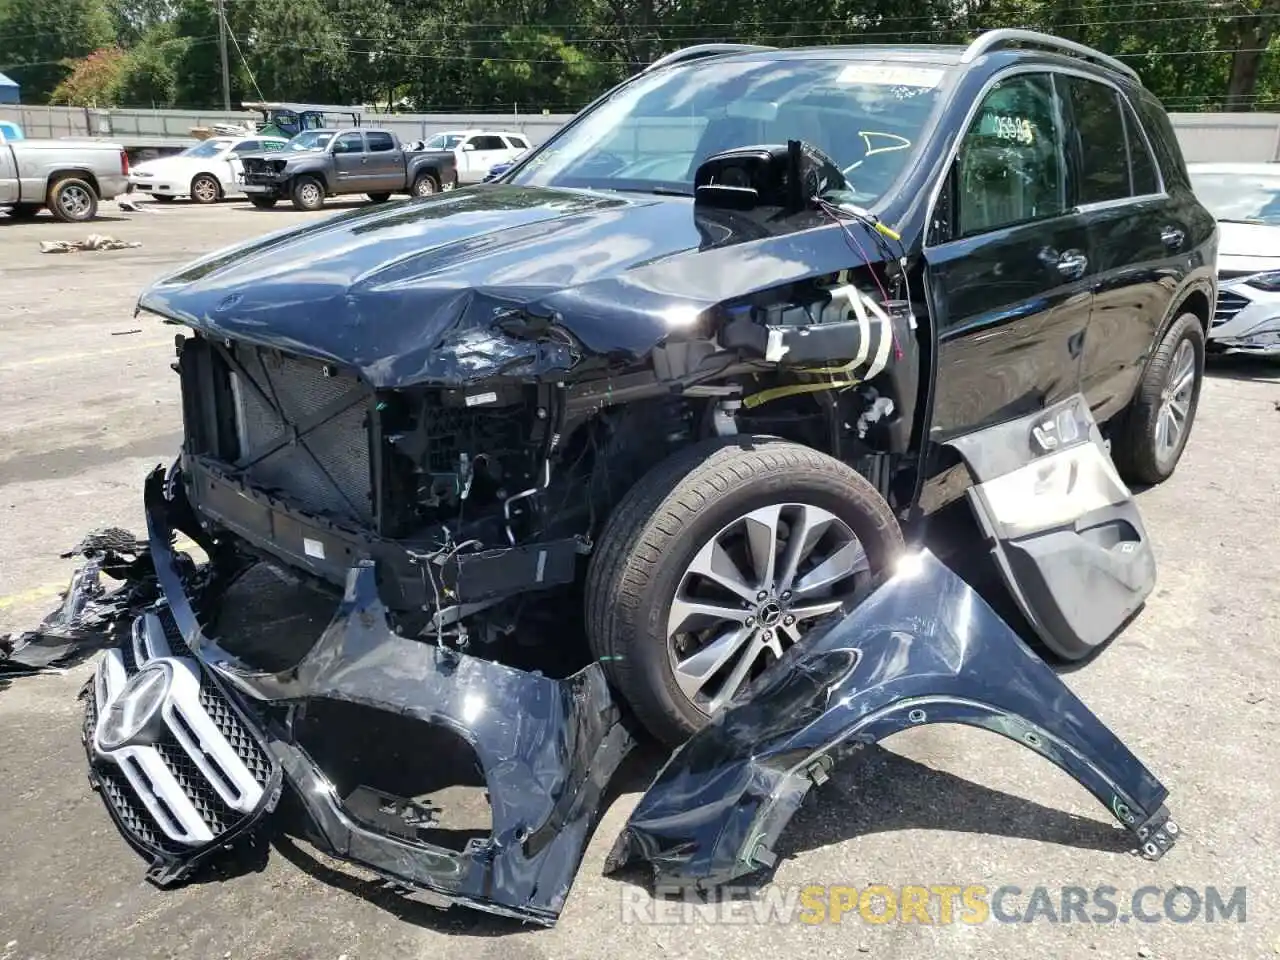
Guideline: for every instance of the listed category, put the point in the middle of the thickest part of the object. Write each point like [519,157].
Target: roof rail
[999,39]
[701,50]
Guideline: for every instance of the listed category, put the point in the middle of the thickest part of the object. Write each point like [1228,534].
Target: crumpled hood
[409,293]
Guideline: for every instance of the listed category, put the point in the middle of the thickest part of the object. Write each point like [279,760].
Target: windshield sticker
[1005,127]
[879,75]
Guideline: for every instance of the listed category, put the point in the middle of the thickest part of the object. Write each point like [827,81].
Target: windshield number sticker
[1017,129]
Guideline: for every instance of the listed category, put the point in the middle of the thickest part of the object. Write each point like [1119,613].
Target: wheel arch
[73,173]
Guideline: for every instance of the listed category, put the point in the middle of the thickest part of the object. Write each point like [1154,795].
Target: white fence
[1203,136]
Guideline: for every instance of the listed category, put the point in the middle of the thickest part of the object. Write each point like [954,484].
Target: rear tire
[679,513]
[73,200]
[379,197]
[425,185]
[1153,431]
[263,203]
[307,193]
[205,189]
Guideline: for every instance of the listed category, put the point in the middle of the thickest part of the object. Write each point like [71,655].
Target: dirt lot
[88,404]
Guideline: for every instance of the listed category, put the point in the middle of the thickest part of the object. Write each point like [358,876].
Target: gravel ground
[88,405]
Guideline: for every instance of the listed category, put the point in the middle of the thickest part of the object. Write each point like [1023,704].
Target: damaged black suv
[693,365]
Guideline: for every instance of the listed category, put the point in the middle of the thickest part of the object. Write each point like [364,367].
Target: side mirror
[771,175]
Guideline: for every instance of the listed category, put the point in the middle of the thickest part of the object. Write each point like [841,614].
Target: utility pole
[222,49]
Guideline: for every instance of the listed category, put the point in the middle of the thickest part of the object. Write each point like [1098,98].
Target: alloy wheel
[1175,401]
[74,200]
[752,591]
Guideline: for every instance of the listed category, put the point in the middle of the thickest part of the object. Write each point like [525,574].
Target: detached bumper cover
[547,747]
[924,648]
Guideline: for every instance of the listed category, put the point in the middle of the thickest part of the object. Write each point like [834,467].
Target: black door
[1138,240]
[1009,274]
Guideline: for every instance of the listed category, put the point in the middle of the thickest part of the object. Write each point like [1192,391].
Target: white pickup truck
[67,176]
[477,151]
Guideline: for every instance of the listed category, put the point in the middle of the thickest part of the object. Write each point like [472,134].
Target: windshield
[1240,197]
[444,141]
[652,134]
[311,140]
[207,148]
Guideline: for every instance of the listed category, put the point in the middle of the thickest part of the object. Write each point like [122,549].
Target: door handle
[1172,237]
[1069,263]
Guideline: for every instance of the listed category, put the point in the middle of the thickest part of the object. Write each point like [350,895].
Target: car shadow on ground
[1242,367]
[49,220]
[356,202]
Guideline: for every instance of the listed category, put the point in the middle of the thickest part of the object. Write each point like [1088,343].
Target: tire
[25,211]
[205,189]
[1139,447]
[709,494]
[307,193]
[379,197]
[425,185]
[161,197]
[263,203]
[73,200]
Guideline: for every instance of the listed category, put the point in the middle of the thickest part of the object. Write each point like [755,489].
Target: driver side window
[1011,165]
[349,143]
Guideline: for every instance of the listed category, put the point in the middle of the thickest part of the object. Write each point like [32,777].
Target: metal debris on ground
[90,616]
[95,241]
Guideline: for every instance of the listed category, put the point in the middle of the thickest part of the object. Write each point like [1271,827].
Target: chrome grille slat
[1228,305]
[202,761]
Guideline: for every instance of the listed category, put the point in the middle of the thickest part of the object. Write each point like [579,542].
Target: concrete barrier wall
[1203,136]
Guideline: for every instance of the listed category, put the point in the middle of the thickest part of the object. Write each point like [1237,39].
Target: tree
[94,80]
[38,37]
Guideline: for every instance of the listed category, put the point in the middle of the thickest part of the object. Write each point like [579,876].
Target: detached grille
[328,469]
[202,775]
[1229,304]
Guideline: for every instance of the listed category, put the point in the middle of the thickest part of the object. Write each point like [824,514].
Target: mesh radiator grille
[328,470]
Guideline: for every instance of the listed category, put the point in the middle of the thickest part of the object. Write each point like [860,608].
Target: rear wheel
[1153,432]
[205,189]
[73,200]
[307,194]
[720,559]
[425,185]
[263,203]
[379,197]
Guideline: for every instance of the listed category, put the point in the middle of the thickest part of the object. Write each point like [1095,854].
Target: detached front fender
[924,648]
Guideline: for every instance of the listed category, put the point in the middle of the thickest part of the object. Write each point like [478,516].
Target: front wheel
[720,559]
[307,194]
[263,202]
[1154,429]
[379,197]
[425,185]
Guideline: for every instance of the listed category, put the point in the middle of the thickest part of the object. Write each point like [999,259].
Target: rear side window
[488,143]
[248,146]
[1141,164]
[1100,130]
[518,142]
[379,142]
[1011,166]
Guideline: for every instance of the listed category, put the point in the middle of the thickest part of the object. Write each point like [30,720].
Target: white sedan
[206,172]
[1245,199]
